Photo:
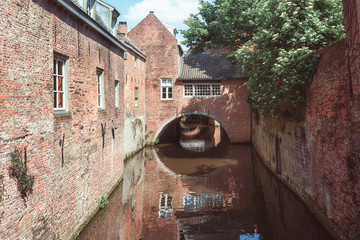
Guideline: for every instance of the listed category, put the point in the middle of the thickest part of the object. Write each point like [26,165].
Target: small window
[117,94]
[135,62]
[100,89]
[202,90]
[61,82]
[188,90]
[165,205]
[136,97]
[166,89]
[216,89]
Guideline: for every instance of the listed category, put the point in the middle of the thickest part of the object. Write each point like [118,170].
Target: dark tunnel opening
[197,133]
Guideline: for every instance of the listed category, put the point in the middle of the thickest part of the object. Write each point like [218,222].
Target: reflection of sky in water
[248,236]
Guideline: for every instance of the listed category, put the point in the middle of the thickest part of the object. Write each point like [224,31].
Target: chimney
[122,30]
[152,12]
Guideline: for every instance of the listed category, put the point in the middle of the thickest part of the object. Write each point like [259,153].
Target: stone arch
[169,120]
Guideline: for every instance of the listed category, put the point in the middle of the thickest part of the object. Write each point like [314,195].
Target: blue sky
[172,12]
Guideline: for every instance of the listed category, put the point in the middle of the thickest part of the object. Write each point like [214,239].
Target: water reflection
[221,194]
[199,133]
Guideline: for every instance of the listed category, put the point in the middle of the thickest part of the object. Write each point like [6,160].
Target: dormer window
[104,13]
[90,7]
[81,3]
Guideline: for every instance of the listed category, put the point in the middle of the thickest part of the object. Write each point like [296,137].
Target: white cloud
[173,12]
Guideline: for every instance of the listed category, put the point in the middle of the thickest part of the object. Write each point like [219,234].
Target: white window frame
[193,85]
[165,205]
[100,89]
[167,88]
[64,86]
[117,94]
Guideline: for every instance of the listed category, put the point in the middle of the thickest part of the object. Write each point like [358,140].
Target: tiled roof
[207,66]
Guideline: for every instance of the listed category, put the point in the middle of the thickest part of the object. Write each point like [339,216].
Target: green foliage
[18,170]
[103,201]
[275,42]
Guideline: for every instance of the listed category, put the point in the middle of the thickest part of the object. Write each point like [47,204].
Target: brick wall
[161,48]
[134,122]
[67,189]
[313,157]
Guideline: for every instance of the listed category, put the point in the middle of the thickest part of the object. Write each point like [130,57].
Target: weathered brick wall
[134,122]
[314,155]
[352,25]
[65,194]
[26,93]
[161,48]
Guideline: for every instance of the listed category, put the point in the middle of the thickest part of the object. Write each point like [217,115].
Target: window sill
[62,114]
[165,99]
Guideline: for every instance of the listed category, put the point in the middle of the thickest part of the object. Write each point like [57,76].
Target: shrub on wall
[18,170]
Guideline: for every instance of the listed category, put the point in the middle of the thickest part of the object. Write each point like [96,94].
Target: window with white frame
[165,205]
[135,62]
[202,90]
[166,89]
[104,13]
[61,84]
[100,89]
[117,94]
[136,97]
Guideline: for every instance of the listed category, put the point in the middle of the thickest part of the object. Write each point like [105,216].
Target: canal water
[225,193]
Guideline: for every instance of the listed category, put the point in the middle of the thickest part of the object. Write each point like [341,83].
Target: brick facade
[76,156]
[314,157]
[161,48]
[134,130]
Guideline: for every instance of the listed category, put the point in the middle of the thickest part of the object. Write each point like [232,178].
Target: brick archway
[168,121]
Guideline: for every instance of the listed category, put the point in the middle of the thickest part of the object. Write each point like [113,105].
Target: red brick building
[63,91]
[180,84]
[134,94]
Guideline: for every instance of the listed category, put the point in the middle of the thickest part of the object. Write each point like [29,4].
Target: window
[136,97]
[165,205]
[117,94]
[61,82]
[202,90]
[166,89]
[100,89]
[135,62]
[104,13]
[89,7]
[81,3]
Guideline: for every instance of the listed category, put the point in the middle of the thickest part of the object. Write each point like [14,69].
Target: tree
[275,42]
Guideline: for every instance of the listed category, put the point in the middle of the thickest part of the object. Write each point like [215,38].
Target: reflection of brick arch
[168,121]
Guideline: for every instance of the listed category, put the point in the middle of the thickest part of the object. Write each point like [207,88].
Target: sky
[172,12]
